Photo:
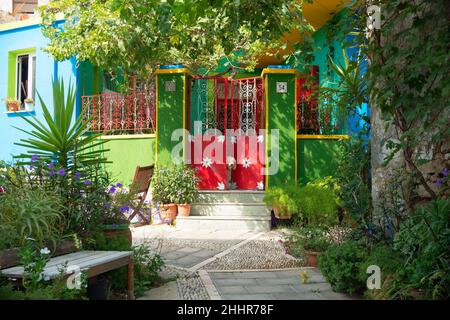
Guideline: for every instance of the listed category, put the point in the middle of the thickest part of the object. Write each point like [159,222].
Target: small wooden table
[91,262]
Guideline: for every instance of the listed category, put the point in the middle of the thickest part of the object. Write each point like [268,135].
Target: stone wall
[430,158]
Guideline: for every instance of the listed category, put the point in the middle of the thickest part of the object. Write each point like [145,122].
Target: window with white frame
[26,78]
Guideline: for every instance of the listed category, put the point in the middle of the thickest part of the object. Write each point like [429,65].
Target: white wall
[6,5]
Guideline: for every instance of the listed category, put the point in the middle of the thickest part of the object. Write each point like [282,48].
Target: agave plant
[59,138]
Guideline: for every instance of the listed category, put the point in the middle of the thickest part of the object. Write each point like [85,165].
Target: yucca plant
[59,138]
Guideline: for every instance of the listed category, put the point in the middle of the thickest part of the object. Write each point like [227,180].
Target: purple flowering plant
[89,199]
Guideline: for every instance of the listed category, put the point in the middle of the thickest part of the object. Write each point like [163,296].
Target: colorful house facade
[139,127]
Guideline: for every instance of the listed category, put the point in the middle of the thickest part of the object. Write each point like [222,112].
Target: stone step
[257,209]
[243,223]
[231,196]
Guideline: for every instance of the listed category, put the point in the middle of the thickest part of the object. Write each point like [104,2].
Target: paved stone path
[275,284]
[186,249]
[221,265]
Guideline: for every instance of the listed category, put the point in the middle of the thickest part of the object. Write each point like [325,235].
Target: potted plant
[282,202]
[29,104]
[271,199]
[118,204]
[186,190]
[13,104]
[314,241]
[164,191]
[316,204]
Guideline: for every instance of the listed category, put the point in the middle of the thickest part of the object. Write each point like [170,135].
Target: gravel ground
[164,245]
[191,288]
[257,254]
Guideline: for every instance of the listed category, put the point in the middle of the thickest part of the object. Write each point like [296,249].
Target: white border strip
[209,285]
[259,270]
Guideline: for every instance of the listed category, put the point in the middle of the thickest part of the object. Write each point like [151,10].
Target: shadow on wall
[317,158]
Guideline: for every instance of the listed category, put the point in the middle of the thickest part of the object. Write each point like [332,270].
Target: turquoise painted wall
[46,70]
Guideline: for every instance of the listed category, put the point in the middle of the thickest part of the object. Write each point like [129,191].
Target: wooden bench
[91,262]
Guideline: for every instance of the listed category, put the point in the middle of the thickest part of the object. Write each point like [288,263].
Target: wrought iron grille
[222,103]
[115,113]
[307,106]
[249,114]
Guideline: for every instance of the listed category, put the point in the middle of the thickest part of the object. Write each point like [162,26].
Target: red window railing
[307,106]
[115,113]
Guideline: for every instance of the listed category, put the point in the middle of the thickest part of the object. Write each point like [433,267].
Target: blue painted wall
[46,70]
[327,78]
[355,122]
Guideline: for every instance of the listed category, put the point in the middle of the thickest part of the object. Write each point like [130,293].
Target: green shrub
[26,212]
[283,199]
[9,237]
[309,238]
[353,174]
[385,257]
[316,204]
[272,196]
[424,241]
[146,269]
[389,261]
[340,265]
[7,292]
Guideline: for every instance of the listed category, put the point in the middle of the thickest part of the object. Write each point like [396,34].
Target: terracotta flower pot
[311,258]
[184,209]
[12,106]
[170,210]
[112,231]
[281,213]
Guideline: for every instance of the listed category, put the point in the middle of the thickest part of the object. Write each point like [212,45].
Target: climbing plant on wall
[408,81]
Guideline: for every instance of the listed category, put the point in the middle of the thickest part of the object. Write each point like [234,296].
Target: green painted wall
[317,158]
[169,114]
[126,154]
[281,116]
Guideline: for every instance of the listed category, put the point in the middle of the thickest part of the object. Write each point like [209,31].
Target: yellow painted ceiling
[317,13]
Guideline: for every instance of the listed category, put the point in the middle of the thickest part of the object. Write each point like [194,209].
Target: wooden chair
[140,185]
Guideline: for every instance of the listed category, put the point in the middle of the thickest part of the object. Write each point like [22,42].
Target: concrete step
[231,196]
[256,209]
[242,223]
